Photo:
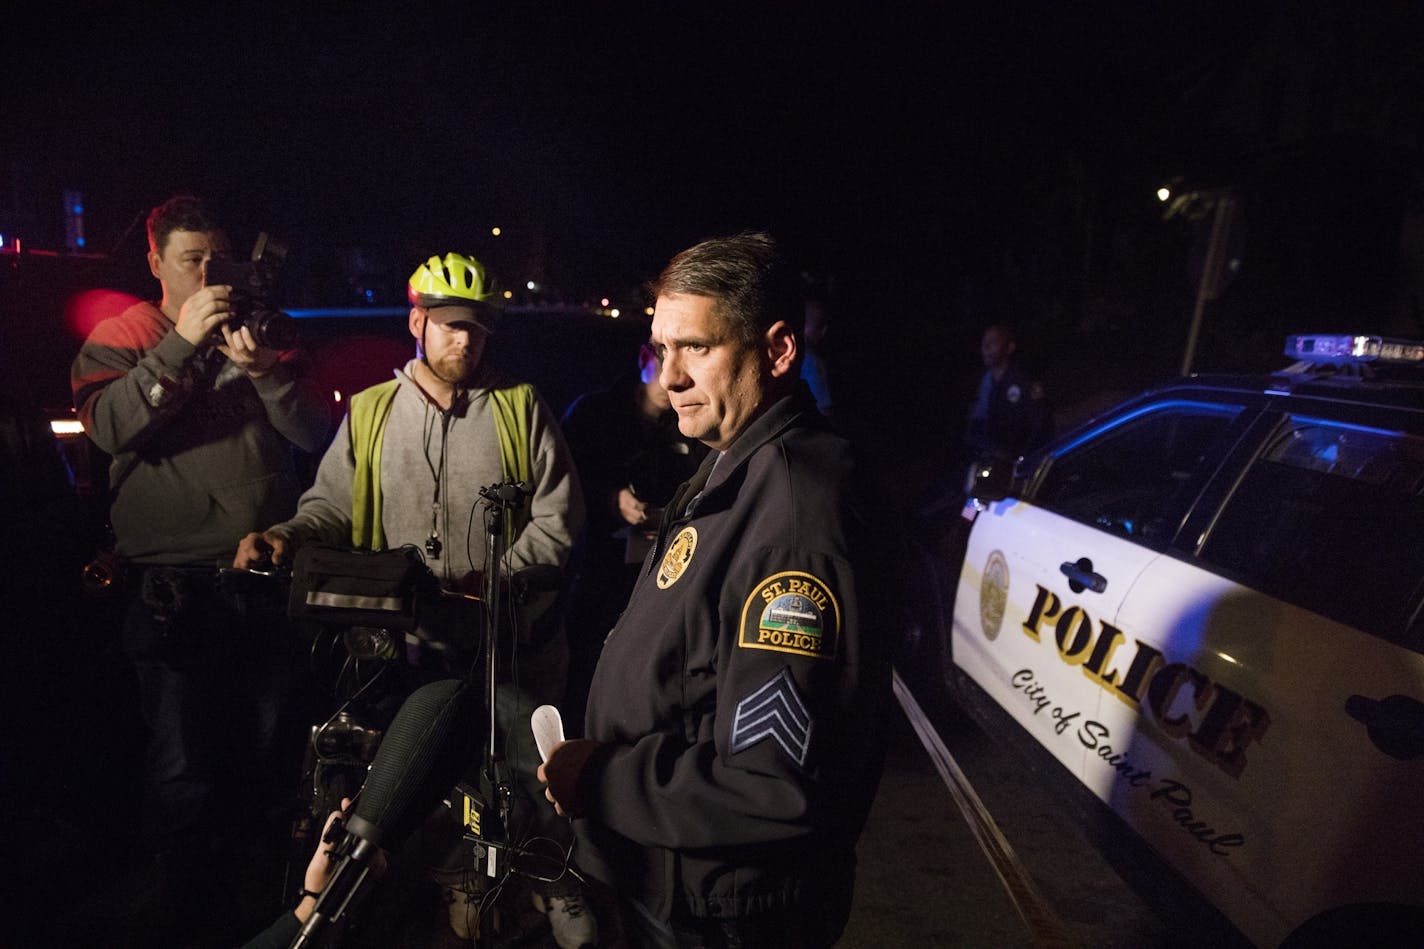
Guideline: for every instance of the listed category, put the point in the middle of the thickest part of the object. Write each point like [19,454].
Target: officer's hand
[240,348]
[204,312]
[542,776]
[257,549]
[631,509]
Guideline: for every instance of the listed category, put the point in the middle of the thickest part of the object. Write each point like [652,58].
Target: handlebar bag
[342,586]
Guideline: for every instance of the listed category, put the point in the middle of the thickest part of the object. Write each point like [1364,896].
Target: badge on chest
[678,556]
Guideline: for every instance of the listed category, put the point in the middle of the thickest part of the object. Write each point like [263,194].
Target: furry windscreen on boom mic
[432,740]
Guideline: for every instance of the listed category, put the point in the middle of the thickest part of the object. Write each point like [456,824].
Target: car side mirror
[989,478]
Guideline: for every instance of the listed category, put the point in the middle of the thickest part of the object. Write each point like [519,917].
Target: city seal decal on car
[678,556]
[993,595]
[792,612]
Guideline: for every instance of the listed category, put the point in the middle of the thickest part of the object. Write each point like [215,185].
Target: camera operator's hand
[202,313]
[260,549]
[240,348]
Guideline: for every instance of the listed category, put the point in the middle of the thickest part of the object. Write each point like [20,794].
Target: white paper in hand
[548,727]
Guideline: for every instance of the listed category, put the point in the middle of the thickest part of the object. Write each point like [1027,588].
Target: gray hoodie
[433,464]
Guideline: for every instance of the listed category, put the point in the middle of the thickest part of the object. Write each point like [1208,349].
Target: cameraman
[201,423]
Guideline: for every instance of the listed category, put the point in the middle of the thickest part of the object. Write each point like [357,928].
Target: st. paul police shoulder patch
[793,612]
[774,711]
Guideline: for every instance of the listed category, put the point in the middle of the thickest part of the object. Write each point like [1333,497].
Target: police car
[1208,606]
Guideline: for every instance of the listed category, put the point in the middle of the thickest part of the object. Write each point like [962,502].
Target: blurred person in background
[1010,414]
[631,459]
[815,367]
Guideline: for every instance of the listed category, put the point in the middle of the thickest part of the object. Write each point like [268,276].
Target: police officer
[733,721]
[1010,414]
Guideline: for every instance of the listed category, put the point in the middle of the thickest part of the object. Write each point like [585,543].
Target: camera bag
[342,586]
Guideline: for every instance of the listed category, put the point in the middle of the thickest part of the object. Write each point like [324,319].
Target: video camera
[254,284]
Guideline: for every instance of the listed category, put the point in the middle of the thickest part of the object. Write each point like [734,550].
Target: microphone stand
[501,500]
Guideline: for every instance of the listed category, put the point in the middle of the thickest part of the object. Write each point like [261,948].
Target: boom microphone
[430,742]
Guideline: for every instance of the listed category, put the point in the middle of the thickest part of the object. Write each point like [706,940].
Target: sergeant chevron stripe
[774,711]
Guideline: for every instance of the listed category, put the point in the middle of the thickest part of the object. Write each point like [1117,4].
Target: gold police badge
[792,612]
[678,556]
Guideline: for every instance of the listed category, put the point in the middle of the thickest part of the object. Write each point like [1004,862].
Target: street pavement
[924,881]
[921,878]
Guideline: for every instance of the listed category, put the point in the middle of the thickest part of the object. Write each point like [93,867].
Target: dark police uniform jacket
[741,694]
[1018,419]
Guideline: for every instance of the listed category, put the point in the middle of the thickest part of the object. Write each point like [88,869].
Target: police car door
[1045,574]
[1286,781]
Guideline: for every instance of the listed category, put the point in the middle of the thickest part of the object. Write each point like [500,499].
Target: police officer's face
[452,340]
[996,347]
[717,383]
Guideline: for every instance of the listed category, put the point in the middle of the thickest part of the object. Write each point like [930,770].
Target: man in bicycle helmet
[406,468]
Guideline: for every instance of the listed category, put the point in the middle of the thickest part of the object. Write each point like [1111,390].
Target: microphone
[422,756]
[508,492]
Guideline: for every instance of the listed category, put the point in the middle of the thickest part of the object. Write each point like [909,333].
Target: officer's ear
[781,348]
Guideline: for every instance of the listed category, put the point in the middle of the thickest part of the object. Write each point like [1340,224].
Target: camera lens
[272,329]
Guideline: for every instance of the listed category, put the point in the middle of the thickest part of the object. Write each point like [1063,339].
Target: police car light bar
[1323,348]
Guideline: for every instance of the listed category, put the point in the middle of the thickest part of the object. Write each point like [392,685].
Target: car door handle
[1394,723]
[1081,576]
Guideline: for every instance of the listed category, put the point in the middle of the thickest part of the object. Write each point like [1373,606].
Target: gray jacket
[201,451]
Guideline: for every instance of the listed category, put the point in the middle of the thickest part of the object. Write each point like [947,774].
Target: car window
[1330,517]
[1136,475]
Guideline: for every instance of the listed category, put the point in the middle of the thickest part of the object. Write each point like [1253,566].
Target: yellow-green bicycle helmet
[455,280]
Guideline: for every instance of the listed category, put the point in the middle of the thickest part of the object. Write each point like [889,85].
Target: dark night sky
[609,135]
[945,163]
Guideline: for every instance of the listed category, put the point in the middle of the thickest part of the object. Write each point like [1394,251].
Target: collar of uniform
[782,414]
[777,418]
